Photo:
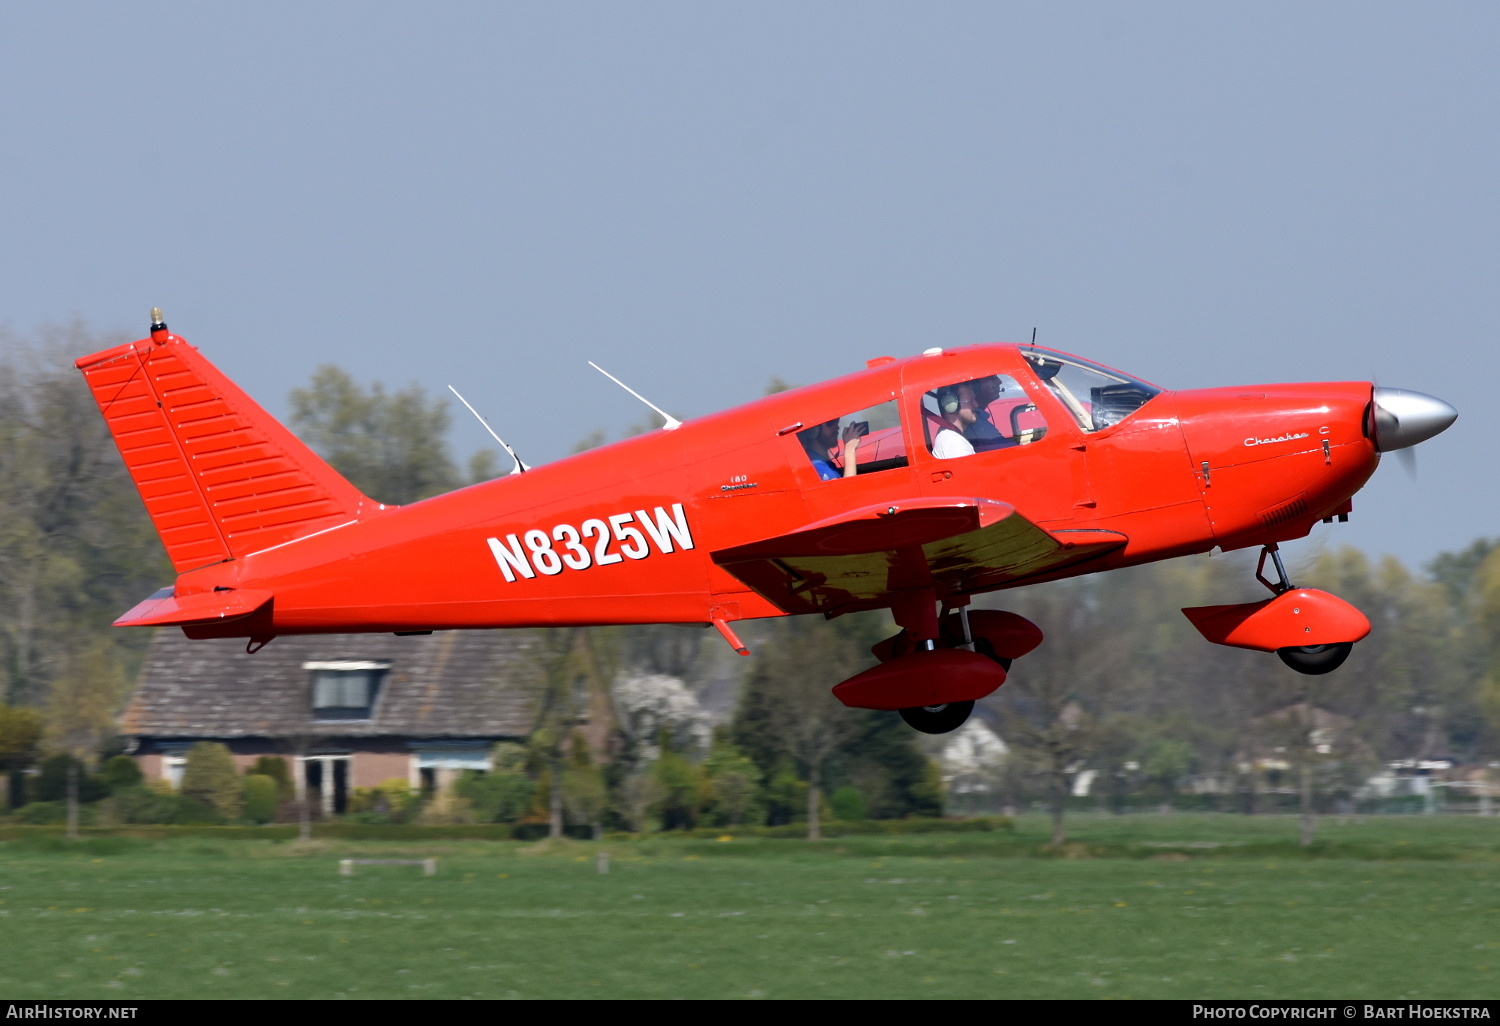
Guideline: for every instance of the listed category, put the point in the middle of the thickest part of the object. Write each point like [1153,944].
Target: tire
[937,719]
[984,648]
[1316,660]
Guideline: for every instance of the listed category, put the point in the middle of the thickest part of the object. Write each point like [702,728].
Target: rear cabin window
[863,442]
[980,415]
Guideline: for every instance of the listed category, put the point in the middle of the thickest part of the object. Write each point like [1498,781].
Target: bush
[51,784]
[52,813]
[390,801]
[210,778]
[152,804]
[260,793]
[121,771]
[42,813]
[274,766]
[899,827]
[496,797]
[848,804]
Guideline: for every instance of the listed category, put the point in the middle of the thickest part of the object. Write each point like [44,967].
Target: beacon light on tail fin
[220,478]
[912,485]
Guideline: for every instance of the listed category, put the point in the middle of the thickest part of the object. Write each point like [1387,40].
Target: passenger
[950,442]
[821,444]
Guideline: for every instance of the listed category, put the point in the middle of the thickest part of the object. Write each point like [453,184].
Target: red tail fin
[220,477]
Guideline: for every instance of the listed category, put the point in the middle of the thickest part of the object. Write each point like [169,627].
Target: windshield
[1097,398]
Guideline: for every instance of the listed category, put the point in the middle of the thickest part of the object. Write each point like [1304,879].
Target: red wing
[856,560]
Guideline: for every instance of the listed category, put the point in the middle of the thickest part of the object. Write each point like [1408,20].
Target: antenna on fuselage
[672,423]
[519,468]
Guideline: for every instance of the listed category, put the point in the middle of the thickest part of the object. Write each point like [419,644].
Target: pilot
[821,444]
[977,395]
[957,415]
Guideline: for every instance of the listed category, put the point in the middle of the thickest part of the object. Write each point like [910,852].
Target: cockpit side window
[1097,398]
[864,442]
[978,415]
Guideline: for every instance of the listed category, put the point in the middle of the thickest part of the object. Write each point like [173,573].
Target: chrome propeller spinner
[1403,418]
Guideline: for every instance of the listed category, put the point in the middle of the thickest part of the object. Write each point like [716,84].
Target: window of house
[978,415]
[1097,398]
[345,690]
[863,442]
[172,769]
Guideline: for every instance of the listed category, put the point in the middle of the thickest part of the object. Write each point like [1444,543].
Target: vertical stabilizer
[219,476]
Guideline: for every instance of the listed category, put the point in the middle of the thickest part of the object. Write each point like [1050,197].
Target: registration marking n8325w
[531,552]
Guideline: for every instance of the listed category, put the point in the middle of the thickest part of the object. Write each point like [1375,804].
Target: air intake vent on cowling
[1286,512]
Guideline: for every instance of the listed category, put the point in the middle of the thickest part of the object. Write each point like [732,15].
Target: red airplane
[912,485]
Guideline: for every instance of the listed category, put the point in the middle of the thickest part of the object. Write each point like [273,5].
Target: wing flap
[855,561]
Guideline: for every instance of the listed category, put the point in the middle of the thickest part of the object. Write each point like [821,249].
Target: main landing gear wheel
[984,648]
[937,719]
[1316,659]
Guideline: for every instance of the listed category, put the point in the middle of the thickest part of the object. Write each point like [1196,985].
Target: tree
[639,792]
[76,546]
[558,711]
[795,667]
[680,794]
[393,447]
[584,795]
[20,737]
[1049,702]
[210,778]
[81,708]
[1487,625]
[653,707]
[733,784]
[1166,762]
[1456,571]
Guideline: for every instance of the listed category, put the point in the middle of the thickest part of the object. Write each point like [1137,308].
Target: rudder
[220,477]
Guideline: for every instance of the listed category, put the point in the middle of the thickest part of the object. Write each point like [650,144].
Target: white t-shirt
[949,444]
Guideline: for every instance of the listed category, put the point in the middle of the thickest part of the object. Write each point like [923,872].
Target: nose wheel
[1312,660]
[937,719]
[1315,660]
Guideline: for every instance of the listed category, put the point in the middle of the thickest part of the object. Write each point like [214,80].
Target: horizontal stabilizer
[164,609]
[854,561]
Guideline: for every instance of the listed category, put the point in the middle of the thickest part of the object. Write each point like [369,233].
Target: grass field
[1143,906]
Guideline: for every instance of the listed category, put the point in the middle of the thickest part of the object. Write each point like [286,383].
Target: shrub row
[501,831]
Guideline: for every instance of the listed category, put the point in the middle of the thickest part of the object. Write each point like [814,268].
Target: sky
[701,197]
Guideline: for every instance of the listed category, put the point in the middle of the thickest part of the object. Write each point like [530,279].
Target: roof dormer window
[345,690]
